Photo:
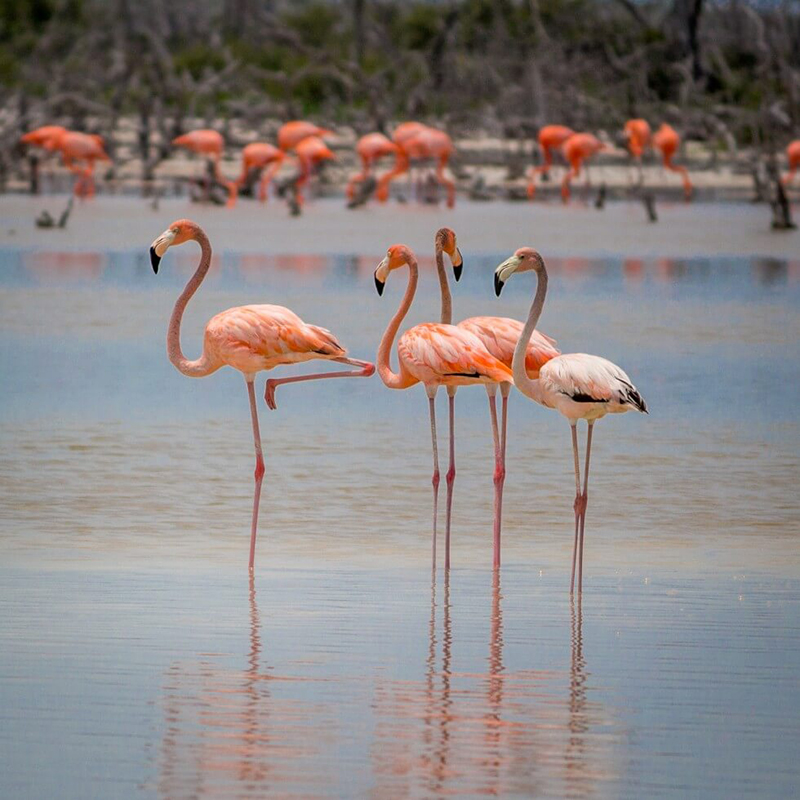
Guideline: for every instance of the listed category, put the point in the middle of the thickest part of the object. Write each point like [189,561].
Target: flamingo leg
[491,390]
[577,503]
[584,503]
[273,383]
[451,474]
[435,479]
[259,473]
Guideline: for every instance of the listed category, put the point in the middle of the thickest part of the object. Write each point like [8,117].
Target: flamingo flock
[413,146]
[489,351]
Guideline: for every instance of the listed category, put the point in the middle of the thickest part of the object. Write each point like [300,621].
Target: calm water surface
[137,659]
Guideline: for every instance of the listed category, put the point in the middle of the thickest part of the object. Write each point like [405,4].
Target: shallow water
[136,659]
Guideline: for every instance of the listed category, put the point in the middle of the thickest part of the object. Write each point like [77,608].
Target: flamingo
[637,132]
[793,154]
[45,137]
[433,354]
[264,157]
[499,336]
[668,140]
[292,133]
[310,152]
[577,385]
[417,141]
[551,137]
[369,148]
[86,147]
[209,143]
[250,339]
[577,149]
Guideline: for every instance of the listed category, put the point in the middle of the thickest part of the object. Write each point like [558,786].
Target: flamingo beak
[379,284]
[504,271]
[159,247]
[458,264]
[498,284]
[155,260]
[381,273]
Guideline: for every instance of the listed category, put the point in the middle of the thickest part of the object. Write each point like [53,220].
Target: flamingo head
[396,256]
[524,260]
[180,231]
[446,239]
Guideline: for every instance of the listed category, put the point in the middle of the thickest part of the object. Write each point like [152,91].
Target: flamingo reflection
[577,779]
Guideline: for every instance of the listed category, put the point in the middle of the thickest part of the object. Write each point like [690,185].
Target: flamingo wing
[591,379]
[433,351]
[500,336]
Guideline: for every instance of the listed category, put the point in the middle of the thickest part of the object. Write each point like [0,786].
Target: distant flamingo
[637,132]
[208,143]
[667,140]
[250,339]
[551,138]
[46,137]
[310,152]
[418,141]
[432,354]
[577,149]
[577,385]
[292,133]
[81,147]
[261,156]
[369,148]
[793,154]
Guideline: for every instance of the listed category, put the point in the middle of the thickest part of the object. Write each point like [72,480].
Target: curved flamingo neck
[526,385]
[397,380]
[204,365]
[444,285]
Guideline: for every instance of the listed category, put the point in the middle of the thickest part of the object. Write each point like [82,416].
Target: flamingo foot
[269,394]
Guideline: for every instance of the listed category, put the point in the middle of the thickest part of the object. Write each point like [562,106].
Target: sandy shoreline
[327,227]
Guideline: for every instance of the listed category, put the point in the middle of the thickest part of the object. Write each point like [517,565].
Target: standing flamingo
[81,147]
[369,148]
[577,385]
[292,133]
[637,132]
[577,149]
[264,157]
[250,339]
[432,354]
[668,140]
[209,143]
[793,154]
[551,137]
[310,152]
[499,336]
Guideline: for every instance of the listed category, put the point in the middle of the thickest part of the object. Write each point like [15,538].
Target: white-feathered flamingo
[250,339]
[577,385]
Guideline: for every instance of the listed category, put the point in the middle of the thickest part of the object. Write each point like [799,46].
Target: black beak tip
[155,259]
[498,285]
[379,284]
[458,270]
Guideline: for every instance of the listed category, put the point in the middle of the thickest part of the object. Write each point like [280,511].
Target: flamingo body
[369,149]
[667,140]
[209,143]
[550,138]
[578,148]
[258,155]
[793,154]
[292,133]
[46,136]
[637,131]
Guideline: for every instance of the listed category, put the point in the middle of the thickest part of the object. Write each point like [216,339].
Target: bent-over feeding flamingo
[81,147]
[577,385]
[264,157]
[668,140]
[209,143]
[577,149]
[432,354]
[292,133]
[46,137]
[369,149]
[310,152]
[793,154]
[250,339]
[551,137]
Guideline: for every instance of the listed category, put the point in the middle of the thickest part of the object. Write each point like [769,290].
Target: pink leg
[584,504]
[273,383]
[577,503]
[259,473]
[498,468]
[451,475]
[435,480]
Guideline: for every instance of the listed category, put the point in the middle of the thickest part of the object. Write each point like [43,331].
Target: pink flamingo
[577,149]
[433,354]
[46,137]
[208,143]
[551,137]
[499,336]
[668,140]
[793,154]
[577,385]
[310,152]
[81,147]
[292,133]
[250,339]
[261,156]
[369,148]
